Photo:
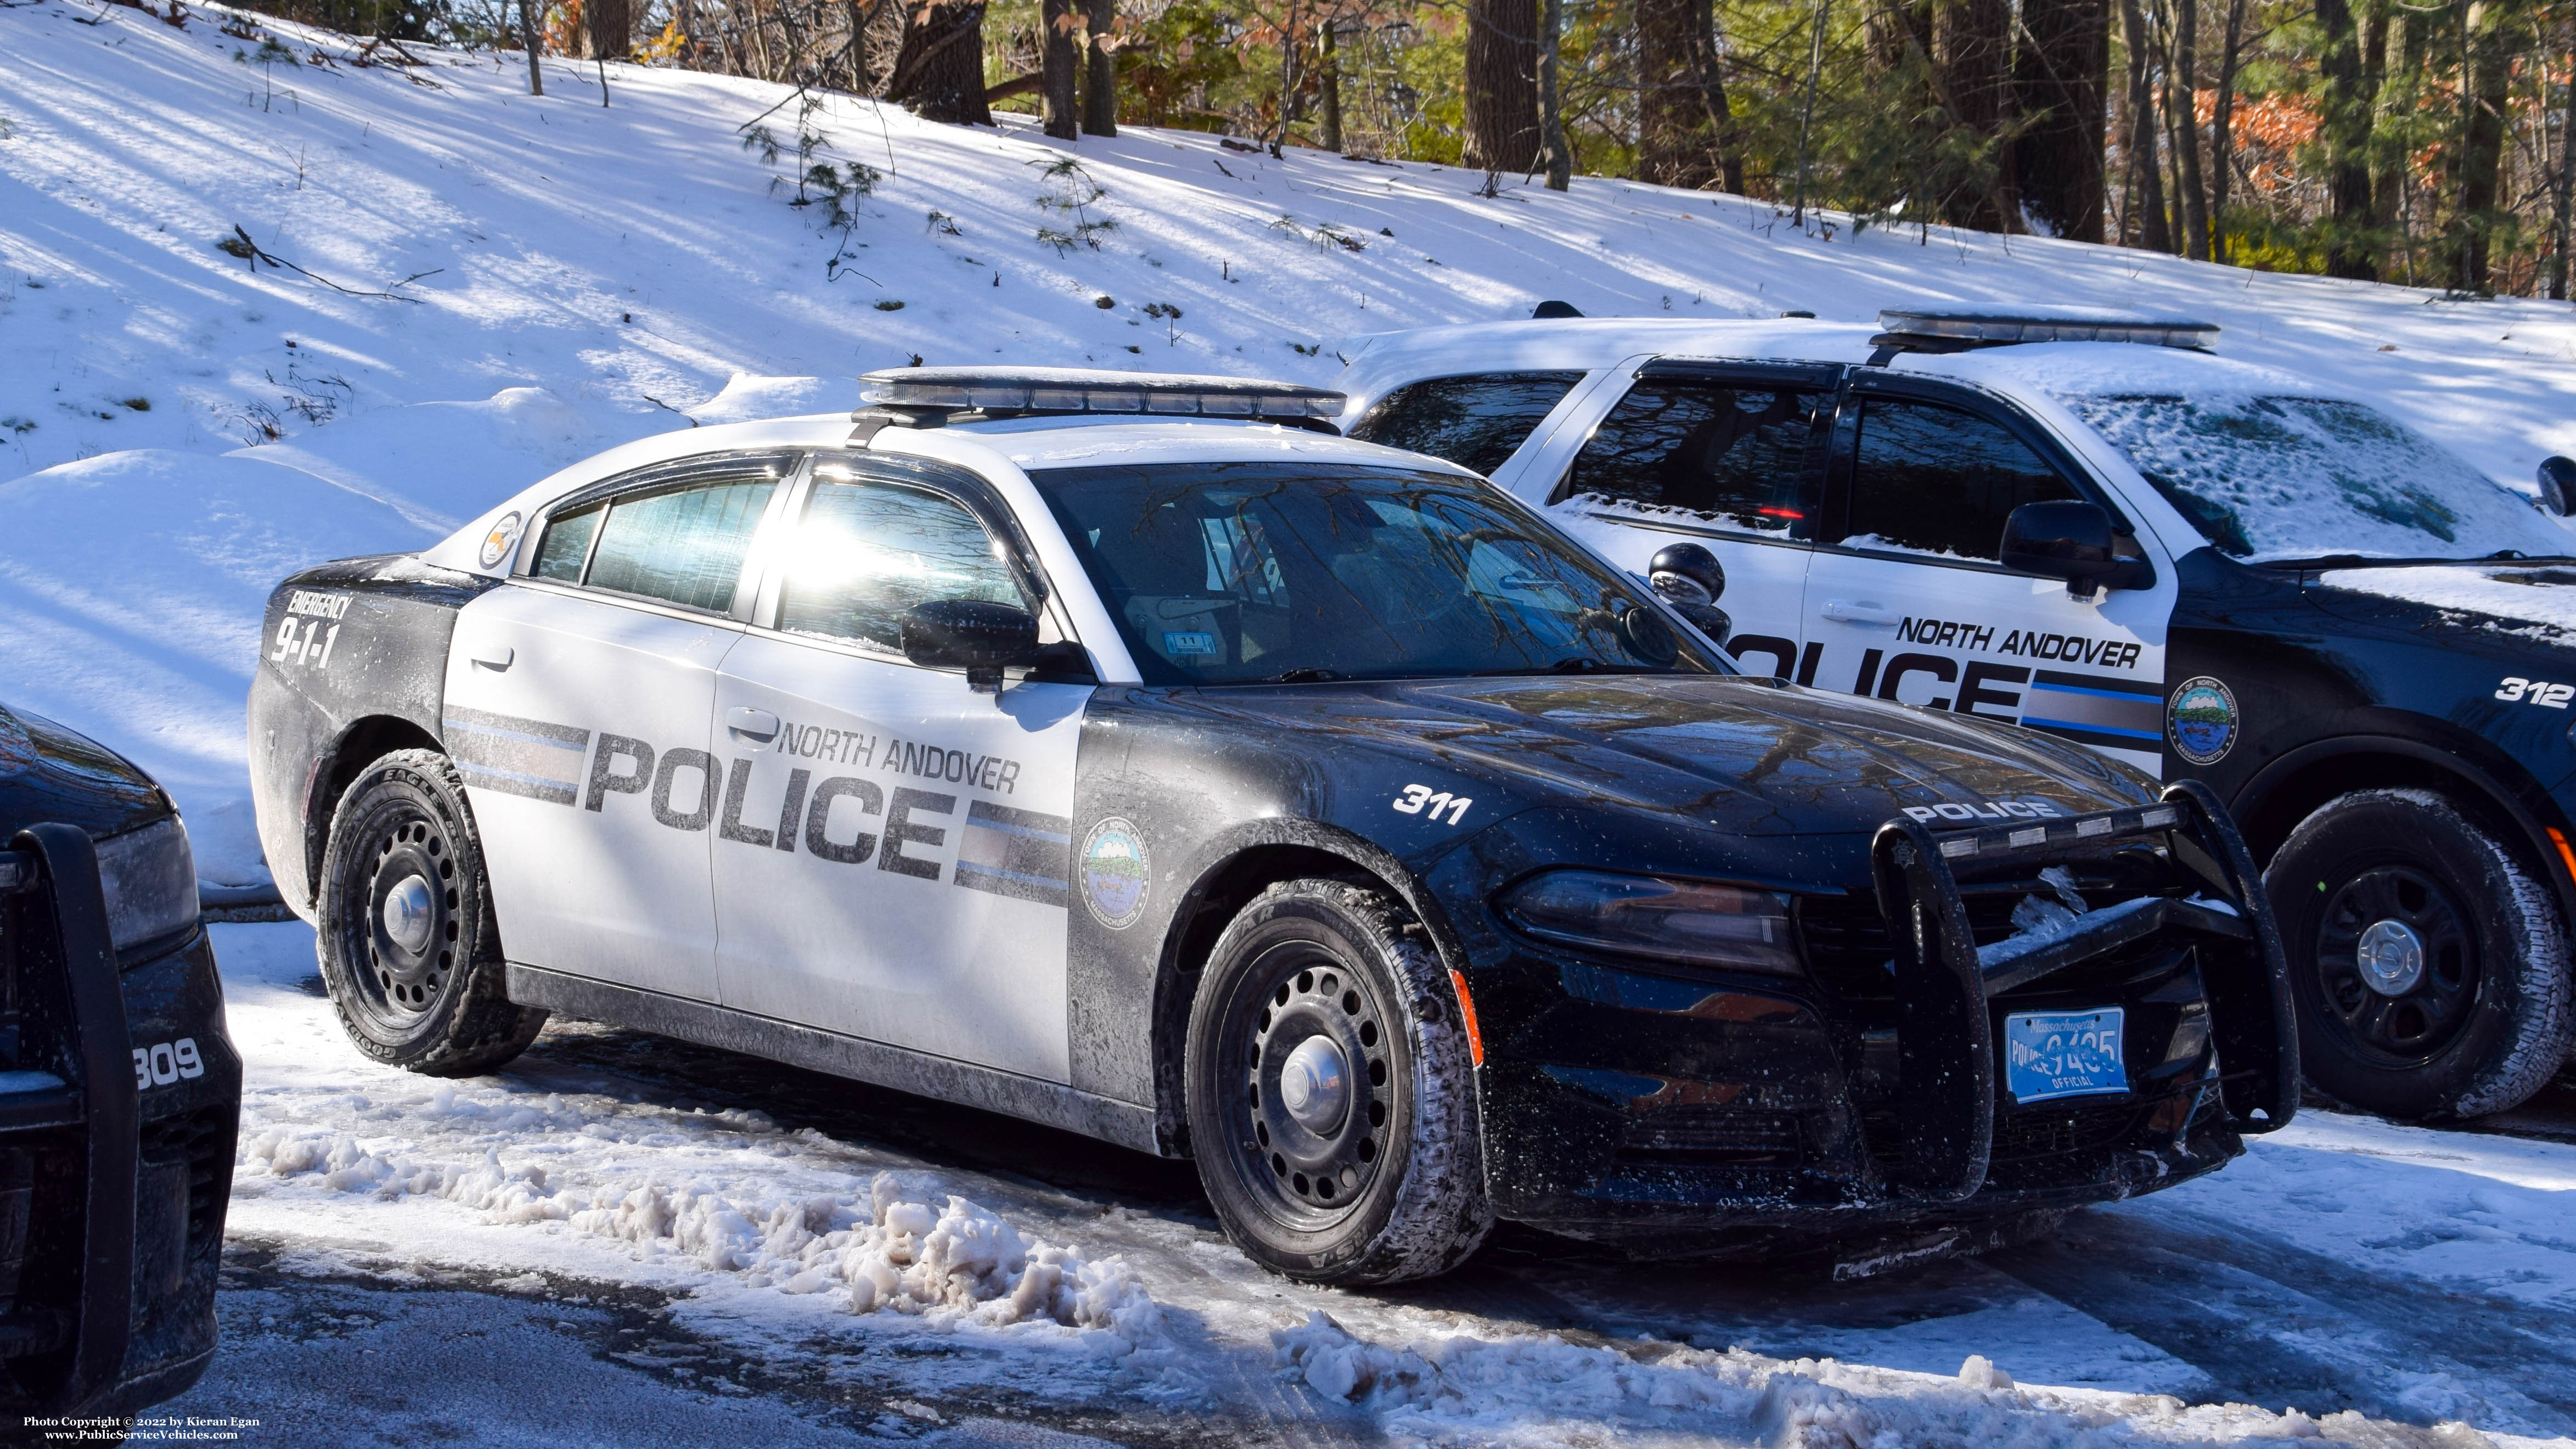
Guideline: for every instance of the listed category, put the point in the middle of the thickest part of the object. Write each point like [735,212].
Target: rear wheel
[408,946]
[1331,1100]
[2429,966]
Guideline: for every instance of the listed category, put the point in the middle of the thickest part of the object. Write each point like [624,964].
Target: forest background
[2423,143]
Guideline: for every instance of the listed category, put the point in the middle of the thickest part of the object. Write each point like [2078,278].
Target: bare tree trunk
[2062,69]
[2566,187]
[531,39]
[1100,70]
[608,30]
[1718,115]
[939,72]
[2489,57]
[1551,98]
[1059,68]
[1502,85]
[1328,87]
[2222,143]
[2142,131]
[1975,57]
[2344,128]
[2182,101]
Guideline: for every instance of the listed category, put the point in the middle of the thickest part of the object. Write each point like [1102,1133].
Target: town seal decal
[2202,720]
[1114,865]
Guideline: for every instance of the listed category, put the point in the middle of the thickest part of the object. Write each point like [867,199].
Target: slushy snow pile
[563,276]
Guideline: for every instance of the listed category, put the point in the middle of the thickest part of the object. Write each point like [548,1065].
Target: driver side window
[1935,480]
[866,551]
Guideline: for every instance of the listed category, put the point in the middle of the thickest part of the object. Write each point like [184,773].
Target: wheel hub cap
[2390,956]
[408,914]
[1315,1085]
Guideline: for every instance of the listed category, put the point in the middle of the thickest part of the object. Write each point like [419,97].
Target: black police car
[1133,755]
[2092,527]
[119,1091]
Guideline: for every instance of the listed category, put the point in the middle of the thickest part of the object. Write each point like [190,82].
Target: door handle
[1854,611]
[493,656]
[758,724]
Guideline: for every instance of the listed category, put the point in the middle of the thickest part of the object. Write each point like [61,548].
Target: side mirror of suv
[1689,578]
[981,638]
[2069,539]
[2558,484]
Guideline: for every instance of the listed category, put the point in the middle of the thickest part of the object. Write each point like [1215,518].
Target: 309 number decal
[162,1063]
[2516,689]
[1417,799]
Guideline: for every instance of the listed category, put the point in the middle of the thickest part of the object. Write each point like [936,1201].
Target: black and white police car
[2093,527]
[1134,755]
[120,1093]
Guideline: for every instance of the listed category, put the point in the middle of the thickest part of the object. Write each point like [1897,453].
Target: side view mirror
[2558,484]
[1689,578]
[981,638]
[2069,540]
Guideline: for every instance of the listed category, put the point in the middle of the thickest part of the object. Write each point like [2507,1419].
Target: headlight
[1675,920]
[150,878]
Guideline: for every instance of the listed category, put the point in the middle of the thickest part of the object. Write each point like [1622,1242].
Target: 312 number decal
[1418,798]
[2516,689]
[162,1063]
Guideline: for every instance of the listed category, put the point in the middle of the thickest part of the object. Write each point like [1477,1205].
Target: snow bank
[1532,1389]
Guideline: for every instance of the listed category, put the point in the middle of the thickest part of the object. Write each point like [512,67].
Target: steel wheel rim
[2399,907]
[405,940]
[1301,1007]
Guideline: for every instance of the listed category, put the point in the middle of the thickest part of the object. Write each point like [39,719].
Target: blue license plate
[2063,1054]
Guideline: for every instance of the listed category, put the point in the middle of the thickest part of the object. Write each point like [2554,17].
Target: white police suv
[1135,755]
[2091,526]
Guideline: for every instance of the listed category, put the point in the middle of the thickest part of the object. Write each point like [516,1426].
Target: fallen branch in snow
[240,245]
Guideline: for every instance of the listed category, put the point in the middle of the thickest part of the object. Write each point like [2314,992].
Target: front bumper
[1699,1113]
[117,1123]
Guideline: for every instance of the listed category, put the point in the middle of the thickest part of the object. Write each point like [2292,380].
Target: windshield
[2302,477]
[1235,572]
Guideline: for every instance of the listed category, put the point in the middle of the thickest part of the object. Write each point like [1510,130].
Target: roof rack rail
[1965,329]
[930,397]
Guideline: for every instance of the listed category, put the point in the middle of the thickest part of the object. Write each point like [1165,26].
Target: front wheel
[2429,966]
[409,949]
[1332,1104]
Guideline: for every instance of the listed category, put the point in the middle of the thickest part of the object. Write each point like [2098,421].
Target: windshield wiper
[2374,561]
[1303,674]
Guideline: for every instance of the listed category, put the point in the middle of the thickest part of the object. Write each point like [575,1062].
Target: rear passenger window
[682,545]
[1936,480]
[1727,455]
[566,546]
[868,551]
[1475,422]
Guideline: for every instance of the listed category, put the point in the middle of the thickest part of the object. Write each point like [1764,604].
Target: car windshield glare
[1244,572]
[2305,477]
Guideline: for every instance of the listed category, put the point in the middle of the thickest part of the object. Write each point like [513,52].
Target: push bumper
[1696,1114]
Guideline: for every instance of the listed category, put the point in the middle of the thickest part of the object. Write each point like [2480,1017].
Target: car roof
[2117,369]
[1018,443]
[1584,343]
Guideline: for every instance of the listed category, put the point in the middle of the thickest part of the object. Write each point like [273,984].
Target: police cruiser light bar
[1025,391]
[1964,327]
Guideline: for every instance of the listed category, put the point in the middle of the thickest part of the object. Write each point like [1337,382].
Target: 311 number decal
[1418,798]
[2516,689]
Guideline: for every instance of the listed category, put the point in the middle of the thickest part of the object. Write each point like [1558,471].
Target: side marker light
[1467,1013]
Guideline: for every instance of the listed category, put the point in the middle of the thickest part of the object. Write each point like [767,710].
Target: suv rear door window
[1475,422]
[1721,454]
[1938,480]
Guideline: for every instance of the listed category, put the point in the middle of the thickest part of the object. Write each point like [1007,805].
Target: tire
[2470,1012]
[1393,1187]
[428,1000]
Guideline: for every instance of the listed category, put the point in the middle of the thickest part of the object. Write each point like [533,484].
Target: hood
[2521,604]
[49,773]
[1747,755]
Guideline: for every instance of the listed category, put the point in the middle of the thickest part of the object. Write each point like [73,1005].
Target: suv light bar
[1957,329]
[1053,391]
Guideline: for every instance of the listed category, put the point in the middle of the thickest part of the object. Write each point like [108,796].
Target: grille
[1845,940]
[203,1140]
[2050,1132]
[1697,1133]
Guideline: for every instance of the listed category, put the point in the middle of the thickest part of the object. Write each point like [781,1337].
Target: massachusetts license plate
[2063,1054]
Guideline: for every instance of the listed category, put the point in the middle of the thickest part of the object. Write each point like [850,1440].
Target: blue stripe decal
[467,768]
[452,722]
[1023,877]
[2125,696]
[2035,722]
[980,822]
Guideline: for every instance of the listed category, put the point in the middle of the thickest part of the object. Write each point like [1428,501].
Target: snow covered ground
[666,1234]
[552,276]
